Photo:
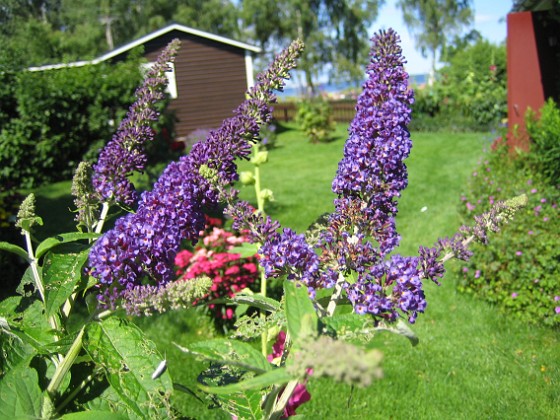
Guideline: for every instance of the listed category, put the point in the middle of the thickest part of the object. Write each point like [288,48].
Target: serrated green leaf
[27,320]
[243,405]
[256,300]
[300,315]
[273,377]
[129,360]
[63,238]
[245,250]
[229,352]
[347,322]
[28,279]
[18,250]
[61,273]
[108,400]
[20,395]
[13,350]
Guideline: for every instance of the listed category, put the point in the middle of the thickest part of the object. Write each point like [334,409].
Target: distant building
[211,74]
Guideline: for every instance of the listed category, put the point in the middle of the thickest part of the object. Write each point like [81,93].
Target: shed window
[171,81]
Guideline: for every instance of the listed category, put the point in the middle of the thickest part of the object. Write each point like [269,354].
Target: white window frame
[170,75]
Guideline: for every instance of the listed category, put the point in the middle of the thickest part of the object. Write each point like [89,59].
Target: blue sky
[489,21]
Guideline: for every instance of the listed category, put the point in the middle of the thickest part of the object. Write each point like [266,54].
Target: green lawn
[472,361]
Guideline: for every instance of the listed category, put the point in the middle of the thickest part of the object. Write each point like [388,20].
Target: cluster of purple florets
[124,154]
[142,246]
[289,253]
[372,169]
[369,179]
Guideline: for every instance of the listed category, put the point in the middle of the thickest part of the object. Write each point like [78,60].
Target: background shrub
[545,137]
[469,93]
[56,118]
[520,269]
[314,116]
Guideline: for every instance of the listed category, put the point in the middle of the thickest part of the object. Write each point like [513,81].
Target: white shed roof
[149,37]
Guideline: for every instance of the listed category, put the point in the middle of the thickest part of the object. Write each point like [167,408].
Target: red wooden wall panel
[525,87]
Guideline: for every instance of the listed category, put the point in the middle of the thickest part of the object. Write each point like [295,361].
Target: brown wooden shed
[211,74]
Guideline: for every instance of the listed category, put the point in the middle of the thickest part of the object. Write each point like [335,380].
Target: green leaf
[6,246]
[61,273]
[63,238]
[20,395]
[244,405]
[26,317]
[351,327]
[94,415]
[229,352]
[129,360]
[14,350]
[256,300]
[300,314]
[273,377]
[246,250]
[400,328]
[27,286]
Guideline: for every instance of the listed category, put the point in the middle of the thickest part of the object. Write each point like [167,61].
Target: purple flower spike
[142,246]
[288,253]
[124,153]
[372,168]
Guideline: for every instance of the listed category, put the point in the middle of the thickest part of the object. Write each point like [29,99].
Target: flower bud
[247,178]
[266,195]
[259,158]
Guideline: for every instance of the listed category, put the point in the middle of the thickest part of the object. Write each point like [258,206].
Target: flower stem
[336,295]
[37,277]
[102,217]
[66,364]
[283,400]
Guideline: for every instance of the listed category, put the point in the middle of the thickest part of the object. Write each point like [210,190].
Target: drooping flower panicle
[144,244]
[124,154]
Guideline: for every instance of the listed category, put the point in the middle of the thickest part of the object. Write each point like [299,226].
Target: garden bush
[544,131]
[469,93]
[522,279]
[314,117]
[59,117]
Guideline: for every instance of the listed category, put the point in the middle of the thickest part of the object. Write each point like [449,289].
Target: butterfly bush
[352,248]
[142,246]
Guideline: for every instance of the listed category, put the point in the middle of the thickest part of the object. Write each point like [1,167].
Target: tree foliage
[46,31]
[53,119]
[433,22]
[335,32]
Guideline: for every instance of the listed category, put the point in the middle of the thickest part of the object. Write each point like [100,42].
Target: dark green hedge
[50,120]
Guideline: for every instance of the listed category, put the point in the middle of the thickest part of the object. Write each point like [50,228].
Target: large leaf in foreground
[129,360]
[243,405]
[20,395]
[229,352]
[300,313]
[62,271]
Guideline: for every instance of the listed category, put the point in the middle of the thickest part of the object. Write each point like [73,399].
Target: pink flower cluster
[211,257]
